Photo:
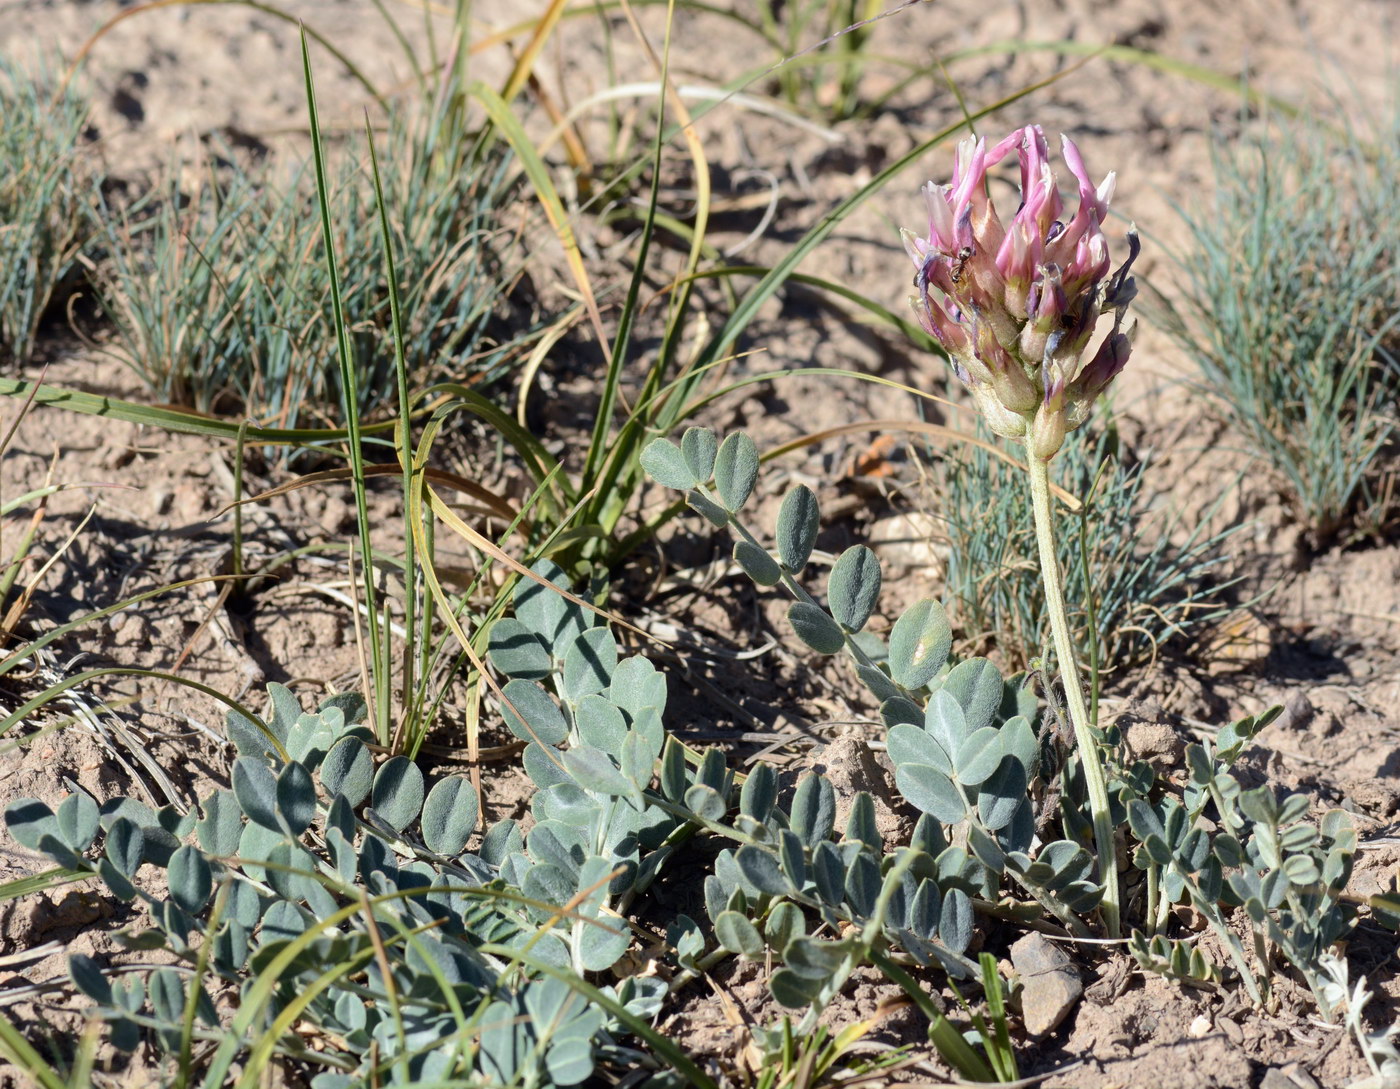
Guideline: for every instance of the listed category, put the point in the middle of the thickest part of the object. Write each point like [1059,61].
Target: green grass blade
[350,394]
[179,421]
[602,423]
[40,882]
[20,713]
[21,1053]
[31,648]
[403,437]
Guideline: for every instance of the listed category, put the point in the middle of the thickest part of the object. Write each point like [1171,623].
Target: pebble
[1292,1076]
[1050,986]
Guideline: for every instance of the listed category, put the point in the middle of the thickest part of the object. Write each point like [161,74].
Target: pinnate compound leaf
[348,770]
[698,446]
[449,816]
[919,644]
[664,463]
[799,519]
[757,563]
[815,628]
[736,470]
[398,792]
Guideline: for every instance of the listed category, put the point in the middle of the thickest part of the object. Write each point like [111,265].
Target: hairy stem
[1089,756]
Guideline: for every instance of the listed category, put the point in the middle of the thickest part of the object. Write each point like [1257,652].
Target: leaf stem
[1089,754]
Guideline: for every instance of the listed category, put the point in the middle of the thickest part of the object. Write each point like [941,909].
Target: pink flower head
[1016,306]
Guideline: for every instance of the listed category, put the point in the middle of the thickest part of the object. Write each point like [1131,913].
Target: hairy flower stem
[1089,756]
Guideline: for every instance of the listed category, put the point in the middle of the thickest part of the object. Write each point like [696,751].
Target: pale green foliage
[967,753]
[221,301]
[1147,579]
[271,886]
[1286,872]
[1290,311]
[45,188]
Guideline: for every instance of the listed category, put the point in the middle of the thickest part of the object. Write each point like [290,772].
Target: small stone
[335,516]
[1292,1076]
[1298,712]
[1050,986]
[1199,1028]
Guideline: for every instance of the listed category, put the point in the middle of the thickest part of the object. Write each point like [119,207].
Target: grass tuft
[45,185]
[220,300]
[1124,576]
[1290,314]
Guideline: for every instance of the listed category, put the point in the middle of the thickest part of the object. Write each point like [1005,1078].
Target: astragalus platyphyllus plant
[1017,309]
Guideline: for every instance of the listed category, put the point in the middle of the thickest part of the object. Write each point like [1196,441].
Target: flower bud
[1048,432]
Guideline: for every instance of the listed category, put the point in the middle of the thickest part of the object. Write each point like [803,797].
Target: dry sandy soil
[165,80]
